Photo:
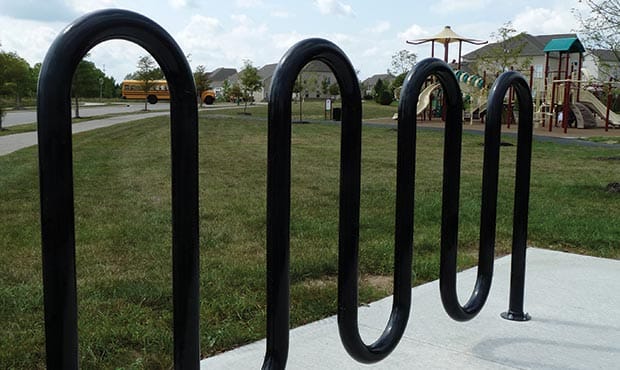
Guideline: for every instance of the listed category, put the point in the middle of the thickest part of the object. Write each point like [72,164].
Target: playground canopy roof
[446,36]
[565,45]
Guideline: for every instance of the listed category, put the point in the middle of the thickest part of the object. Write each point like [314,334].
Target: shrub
[386,98]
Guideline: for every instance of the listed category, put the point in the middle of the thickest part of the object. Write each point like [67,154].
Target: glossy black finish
[56,180]
[522,178]
[451,183]
[278,212]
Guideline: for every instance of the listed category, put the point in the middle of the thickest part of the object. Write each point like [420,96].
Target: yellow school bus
[133,89]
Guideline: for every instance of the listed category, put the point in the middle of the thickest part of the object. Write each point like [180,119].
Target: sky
[225,33]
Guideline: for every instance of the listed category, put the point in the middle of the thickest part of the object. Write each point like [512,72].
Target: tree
[325,85]
[201,79]
[402,62]
[504,54]
[378,89]
[16,77]
[85,83]
[397,83]
[600,27]
[249,81]
[147,73]
[226,88]
[334,89]
[235,92]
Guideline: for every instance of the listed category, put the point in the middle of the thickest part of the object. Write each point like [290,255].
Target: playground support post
[552,106]
[608,108]
[566,105]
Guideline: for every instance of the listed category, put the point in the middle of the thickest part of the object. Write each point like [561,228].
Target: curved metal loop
[451,186]
[522,177]
[278,183]
[278,213]
[56,180]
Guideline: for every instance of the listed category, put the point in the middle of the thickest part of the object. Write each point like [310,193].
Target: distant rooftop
[533,45]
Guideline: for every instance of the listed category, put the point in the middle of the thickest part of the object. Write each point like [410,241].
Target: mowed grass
[122,203]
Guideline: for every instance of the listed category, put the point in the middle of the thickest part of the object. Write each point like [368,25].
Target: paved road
[11,143]
[13,118]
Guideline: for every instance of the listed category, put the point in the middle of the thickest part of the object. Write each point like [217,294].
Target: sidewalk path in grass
[11,143]
[574,302]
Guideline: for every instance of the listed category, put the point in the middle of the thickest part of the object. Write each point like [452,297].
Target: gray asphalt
[574,302]
[20,117]
[11,143]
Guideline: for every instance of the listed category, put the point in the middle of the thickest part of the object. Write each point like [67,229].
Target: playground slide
[481,108]
[599,107]
[425,97]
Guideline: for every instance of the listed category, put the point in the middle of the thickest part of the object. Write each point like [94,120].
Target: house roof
[267,70]
[565,45]
[317,66]
[221,74]
[372,80]
[606,55]
[532,45]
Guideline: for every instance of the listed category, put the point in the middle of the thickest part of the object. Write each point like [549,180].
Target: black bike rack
[56,180]
[278,200]
[56,187]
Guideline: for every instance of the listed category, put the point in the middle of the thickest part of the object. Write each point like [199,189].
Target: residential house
[217,78]
[532,51]
[602,65]
[368,84]
[597,64]
[312,77]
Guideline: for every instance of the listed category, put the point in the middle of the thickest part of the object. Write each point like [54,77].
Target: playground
[145,195]
[565,95]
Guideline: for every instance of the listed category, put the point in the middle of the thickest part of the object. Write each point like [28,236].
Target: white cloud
[246,4]
[341,38]
[117,57]
[179,4]
[545,21]
[336,7]
[281,14]
[449,6]
[241,19]
[373,51]
[413,32]
[45,11]
[285,40]
[226,43]
[379,27]
[32,40]
[85,6]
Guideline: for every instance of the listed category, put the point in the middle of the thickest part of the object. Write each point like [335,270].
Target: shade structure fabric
[446,36]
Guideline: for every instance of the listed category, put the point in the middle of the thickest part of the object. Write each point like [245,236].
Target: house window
[538,71]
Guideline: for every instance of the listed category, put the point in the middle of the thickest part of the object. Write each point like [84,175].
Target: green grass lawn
[122,202]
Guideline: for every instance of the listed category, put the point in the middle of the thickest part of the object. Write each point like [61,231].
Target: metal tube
[522,178]
[278,214]
[56,180]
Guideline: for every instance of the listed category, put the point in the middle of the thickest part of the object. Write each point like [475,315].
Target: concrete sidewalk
[12,143]
[574,302]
